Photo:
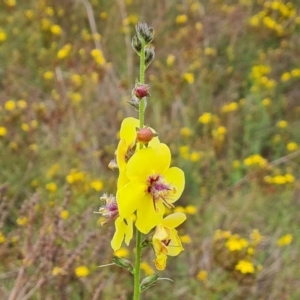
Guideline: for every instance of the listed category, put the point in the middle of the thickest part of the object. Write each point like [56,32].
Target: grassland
[225,86]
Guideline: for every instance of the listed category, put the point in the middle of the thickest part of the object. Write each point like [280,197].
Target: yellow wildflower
[97,185]
[48,75]
[189,78]
[122,252]
[148,270]
[185,239]
[282,124]
[285,76]
[191,209]
[202,275]
[266,102]
[51,187]
[181,19]
[285,240]
[245,267]
[82,271]
[2,238]
[292,146]
[3,131]
[186,132]
[205,118]
[195,156]
[3,36]
[236,243]
[22,221]
[64,214]
[56,29]
[10,105]
[170,60]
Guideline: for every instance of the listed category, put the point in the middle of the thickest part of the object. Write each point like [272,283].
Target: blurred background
[225,86]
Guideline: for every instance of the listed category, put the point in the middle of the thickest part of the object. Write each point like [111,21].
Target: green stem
[137,267]
[142,81]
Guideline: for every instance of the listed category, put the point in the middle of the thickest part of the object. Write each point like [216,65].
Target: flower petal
[175,246]
[175,177]
[129,198]
[147,216]
[140,165]
[129,230]
[174,220]
[160,262]
[128,130]
[118,237]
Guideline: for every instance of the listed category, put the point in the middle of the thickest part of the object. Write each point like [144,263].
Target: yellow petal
[147,216]
[129,230]
[175,246]
[130,197]
[160,262]
[175,177]
[174,220]
[128,130]
[121,154]
[118,237]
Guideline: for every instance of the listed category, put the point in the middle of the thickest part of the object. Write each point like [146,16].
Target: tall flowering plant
[146,183]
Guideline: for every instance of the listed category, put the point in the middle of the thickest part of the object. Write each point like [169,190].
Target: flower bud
[136,44]
[148,281]
[149,56]
[144,32]
[145,135]
[134,102]
[141,90]
[109,209]
[123,263]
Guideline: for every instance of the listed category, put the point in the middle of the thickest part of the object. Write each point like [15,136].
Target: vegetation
[224,96]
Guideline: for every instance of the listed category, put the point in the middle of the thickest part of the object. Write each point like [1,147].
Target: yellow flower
[98,57]
[282,124]
[97,185]
[205,118]
[181,19]
[289,178]
[82,271]
[148,270]
[122,252]
[285,240]
[2,238]
[256,237]
[202,275]
[195,156]
[10,105]
[185,239]
[221,234]
[22,104]
[189,78]
[255,160]
[3,36]
[209,51]
[235,243]
[152,185]
[124,230]
[292,146]
[186,132]
[266,102]
[51,187]
[3,131]
[22,221]
[165,239]
[245,267]
[56,29]
[58,271]
[48,75]
[285,76]
[279,180]
[191,209]
[64,51]
[64,214]
[170,60]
